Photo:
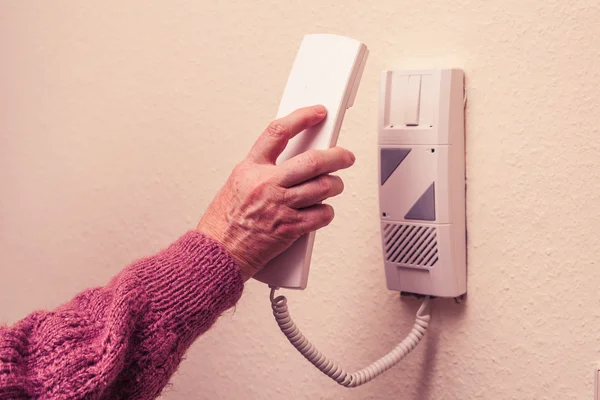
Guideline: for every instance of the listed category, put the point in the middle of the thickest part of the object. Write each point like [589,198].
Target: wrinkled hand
[263,208]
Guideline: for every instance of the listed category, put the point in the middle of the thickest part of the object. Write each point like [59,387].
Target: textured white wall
[119,122]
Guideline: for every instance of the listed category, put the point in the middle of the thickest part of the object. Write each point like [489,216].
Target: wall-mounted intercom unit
[421,160]
[422,181]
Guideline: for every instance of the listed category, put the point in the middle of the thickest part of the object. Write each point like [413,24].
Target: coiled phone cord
[328,367]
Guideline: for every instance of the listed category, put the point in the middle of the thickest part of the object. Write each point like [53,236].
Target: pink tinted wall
[120,121]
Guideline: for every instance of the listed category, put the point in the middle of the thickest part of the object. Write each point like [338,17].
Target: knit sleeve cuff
[189,284]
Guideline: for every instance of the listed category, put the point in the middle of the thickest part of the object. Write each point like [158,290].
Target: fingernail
[352,157]
[320,110]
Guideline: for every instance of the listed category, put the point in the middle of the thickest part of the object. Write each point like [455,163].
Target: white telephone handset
[327,70]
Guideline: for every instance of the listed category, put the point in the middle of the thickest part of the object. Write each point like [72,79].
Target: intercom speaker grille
[412,245]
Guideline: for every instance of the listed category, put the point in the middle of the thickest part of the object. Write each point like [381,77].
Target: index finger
[273,140]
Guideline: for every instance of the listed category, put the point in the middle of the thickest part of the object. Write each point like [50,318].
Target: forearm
[126,339]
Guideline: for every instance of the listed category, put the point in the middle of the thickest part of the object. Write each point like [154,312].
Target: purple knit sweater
[124,340]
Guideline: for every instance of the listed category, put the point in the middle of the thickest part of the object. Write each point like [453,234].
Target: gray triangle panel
[390,160]
[424,208]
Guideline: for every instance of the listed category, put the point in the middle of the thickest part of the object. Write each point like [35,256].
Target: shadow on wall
[427,366]
[450,310]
